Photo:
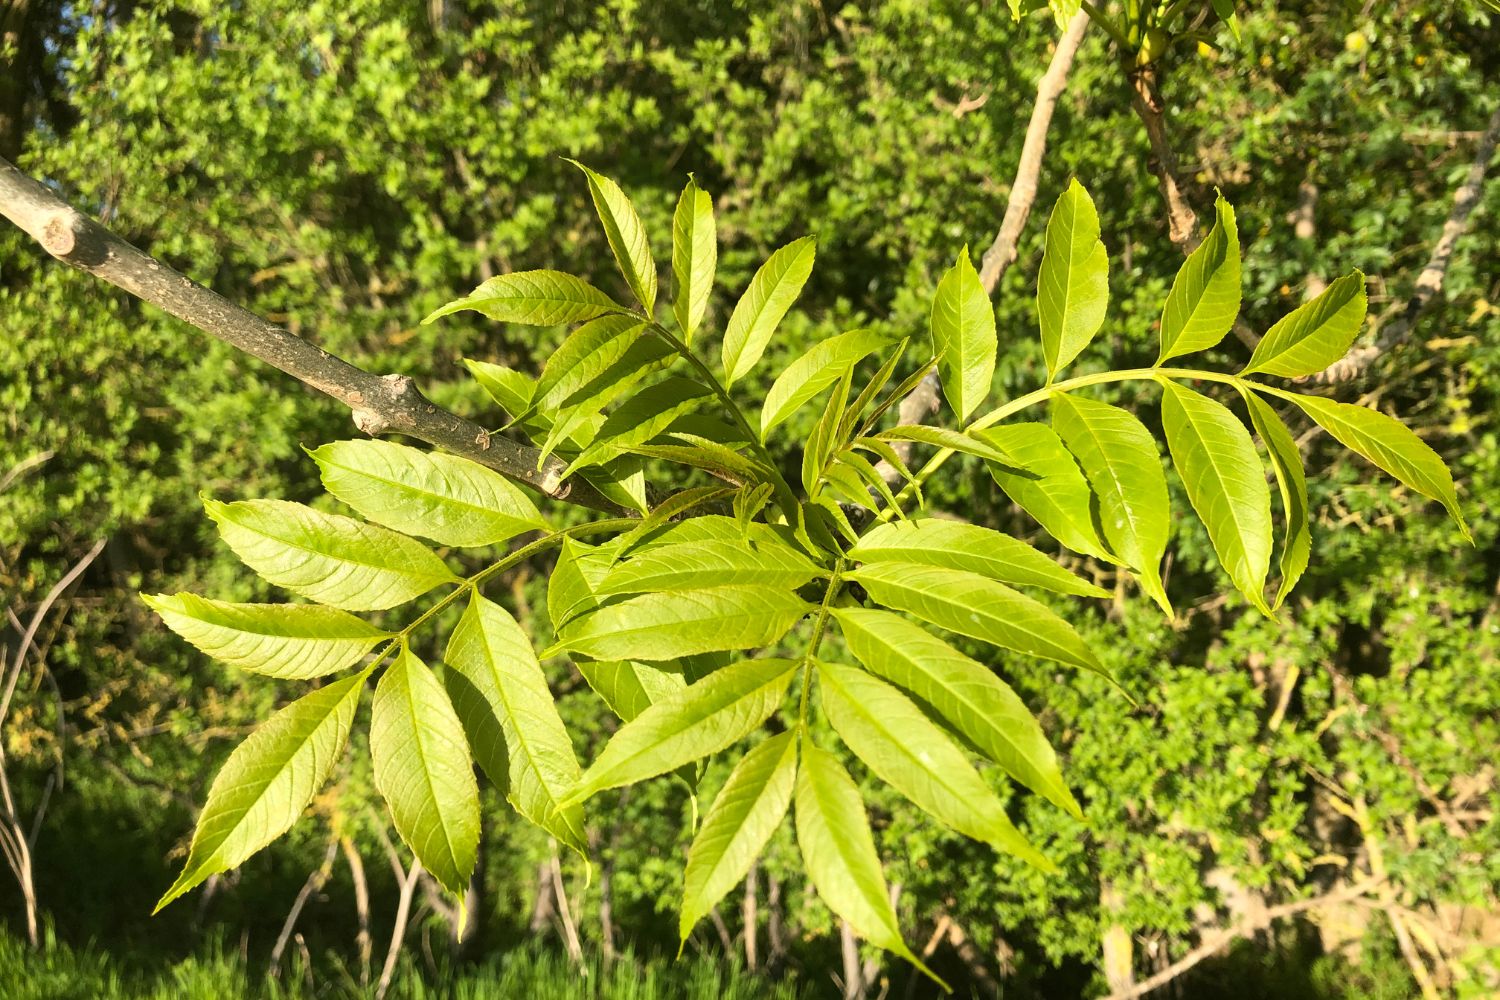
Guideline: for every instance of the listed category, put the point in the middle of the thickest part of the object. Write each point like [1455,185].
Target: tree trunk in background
[1118,957]
[751,919]
[17,36]
[854,984]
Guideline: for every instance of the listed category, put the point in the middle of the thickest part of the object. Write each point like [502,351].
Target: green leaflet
[674,624]
[1225,10]
[695,256]
[1286,459]
[290,641]
[699,565]
[1051,489]
[506,696]
[628,687]
[819,367]
[1225,482]
[423,772]
[641,418]
[771,293]
[1386,442]
[663,513]
[512,390]
[977,607]
[643,357]
[572,589]
[326,557]
[268,781]
[1123,466]
[956,545]
[745,814]
[1314,335]
[533,298]
[450,500]
[942,437]
[702,453]
[963,337]
[1205,296]
[622,480]
[912,755]
[587,353]
[833,834]
[626,235]
[823,438]
[966,695]
[1072,290]
[699,720]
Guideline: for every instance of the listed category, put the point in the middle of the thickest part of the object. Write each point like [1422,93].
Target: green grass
[61,972]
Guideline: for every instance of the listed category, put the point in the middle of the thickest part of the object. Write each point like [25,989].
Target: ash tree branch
[380,403]
[1430,281]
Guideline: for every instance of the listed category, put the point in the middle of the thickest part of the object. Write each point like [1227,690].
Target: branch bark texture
[380,403]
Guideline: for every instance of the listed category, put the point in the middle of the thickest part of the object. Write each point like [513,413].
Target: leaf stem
[835,583]
[782,486]
[472,584]
[1045,393]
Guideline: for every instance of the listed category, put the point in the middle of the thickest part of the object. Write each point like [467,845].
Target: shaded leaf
[641,418]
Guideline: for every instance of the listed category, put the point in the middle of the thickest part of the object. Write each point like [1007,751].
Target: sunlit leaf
[1043,478]
[533,298]
[699,565]
[1121,461]
[507,699]
[833,834]
[268,780]
[695,255]
[1205,296]
[1225,482]
[641,418]
[328,558]
[912,755]
[1314,335]
[449,499]
[291,641]
[969,547]
[1286,459]
[815,370]
[760,311]
[699,720]
[745,814]
[626,235]
[978,607]
[1072,291]
[423,771]
[965,694]
[665,626]
[963,337]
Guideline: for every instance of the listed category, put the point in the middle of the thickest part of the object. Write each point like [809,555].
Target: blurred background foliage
[343,168]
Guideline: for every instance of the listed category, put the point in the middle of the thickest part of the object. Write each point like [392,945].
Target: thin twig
[1430,281]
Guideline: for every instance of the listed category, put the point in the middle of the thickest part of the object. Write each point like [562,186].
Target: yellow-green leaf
[1072,292]
[1205,296]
